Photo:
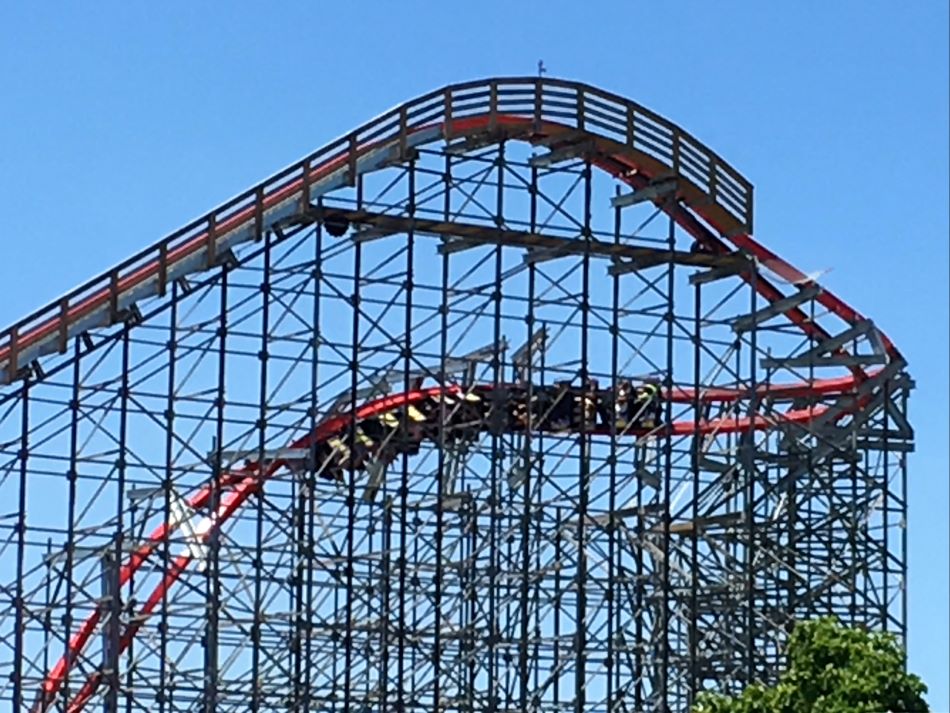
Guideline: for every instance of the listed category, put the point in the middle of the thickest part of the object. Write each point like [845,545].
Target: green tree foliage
[831,669]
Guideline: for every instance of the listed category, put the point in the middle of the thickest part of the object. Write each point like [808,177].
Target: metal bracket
[718,273]
[565,153]
[650,192]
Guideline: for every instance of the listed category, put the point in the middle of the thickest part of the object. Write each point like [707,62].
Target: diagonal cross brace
[744,324]
[816,355]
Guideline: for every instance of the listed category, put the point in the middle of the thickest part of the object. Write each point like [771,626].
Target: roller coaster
[286,458]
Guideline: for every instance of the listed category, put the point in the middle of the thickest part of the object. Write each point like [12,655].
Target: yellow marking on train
[337,445]
[391,418]
[471,397]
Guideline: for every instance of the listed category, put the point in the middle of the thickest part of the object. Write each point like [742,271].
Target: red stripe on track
[246,482]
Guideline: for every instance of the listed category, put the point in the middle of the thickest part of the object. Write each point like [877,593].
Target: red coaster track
[719,228]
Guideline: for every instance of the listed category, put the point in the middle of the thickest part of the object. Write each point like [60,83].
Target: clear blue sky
[121,121]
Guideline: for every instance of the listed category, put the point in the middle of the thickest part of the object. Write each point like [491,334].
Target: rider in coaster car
[518,411]
[341,452]
[542,400]
[333,457]
[406,435]
[647,406]
[374,429]
[362,449]
[561,411]
[585,407]
[465,415]
[614,405]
